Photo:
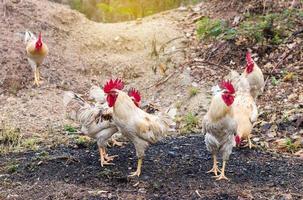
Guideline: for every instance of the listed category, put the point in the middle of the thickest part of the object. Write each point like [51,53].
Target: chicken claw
[104,158]
[215,168]
[116,143]
[138,171]
[109,158]
[222,175]
[250,144]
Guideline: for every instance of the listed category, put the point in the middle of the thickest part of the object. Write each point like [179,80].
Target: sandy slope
[82,53]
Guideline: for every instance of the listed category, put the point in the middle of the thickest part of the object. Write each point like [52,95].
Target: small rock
[236,20]
[194,84]
[266,127]
[286,197]
[142,190]
[271,135]
[182,8]
[172,153]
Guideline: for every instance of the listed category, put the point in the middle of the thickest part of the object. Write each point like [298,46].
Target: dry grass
[10,138]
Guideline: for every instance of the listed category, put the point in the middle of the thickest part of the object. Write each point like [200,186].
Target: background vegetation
[123,10]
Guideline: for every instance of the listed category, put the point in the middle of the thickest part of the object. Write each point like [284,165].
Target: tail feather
[167,120]
[79,110]
[27,36]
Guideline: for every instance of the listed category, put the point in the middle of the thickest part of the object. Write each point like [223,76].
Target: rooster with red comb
[36,51]
[141,128]
[245,111]
[254,76]
[219,126]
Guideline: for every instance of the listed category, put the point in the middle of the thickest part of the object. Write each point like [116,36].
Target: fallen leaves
[289,76]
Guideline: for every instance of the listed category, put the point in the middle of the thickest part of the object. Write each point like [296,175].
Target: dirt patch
[173,169]
[83,53]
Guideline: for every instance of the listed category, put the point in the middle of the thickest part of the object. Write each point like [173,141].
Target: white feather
[29,36]
[97,94]
[216,90]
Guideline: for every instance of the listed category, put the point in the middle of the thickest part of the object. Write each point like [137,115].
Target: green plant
[292,146]
[70,129]
[230,34]
[190,123]
[272,28]
[76,4]
[11,168]
[274,81]
[191,119]
[82,140]
[43,154]
[210,28]
[193,91]
[30,143]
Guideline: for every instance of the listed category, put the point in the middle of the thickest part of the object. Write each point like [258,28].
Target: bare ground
[82,53]
[173,169]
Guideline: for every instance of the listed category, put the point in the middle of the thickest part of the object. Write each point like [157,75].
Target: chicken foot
[105,159]
[222,175]
[215,168]
[249,144]
[138,171]
[116,143]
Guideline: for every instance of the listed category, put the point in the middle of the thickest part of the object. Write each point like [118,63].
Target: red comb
[228,86]
[134,93]
[39,36]
[249,60]
[113,84]
[249,63]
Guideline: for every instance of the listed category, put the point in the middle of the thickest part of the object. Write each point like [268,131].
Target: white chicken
[219,126]
[138,126]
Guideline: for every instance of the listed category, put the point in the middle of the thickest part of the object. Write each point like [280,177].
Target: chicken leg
[105,159]
[138,171]
[215,168]
[222,175]
[36,81]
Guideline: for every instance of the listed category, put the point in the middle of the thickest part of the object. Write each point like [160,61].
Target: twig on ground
[214,64]
[197,192]
[169,41]
[160,82]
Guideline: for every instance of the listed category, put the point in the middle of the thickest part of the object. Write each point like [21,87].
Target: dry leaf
[289,76]
[163,69]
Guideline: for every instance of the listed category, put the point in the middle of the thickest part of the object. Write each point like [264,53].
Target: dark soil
[173,169]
